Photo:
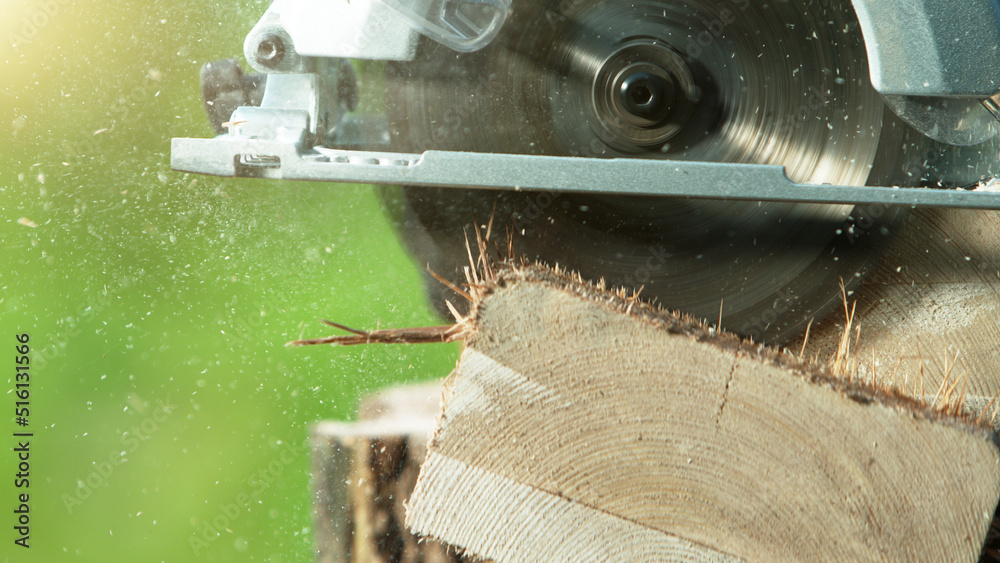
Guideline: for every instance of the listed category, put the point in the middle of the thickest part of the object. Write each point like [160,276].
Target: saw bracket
[936,63]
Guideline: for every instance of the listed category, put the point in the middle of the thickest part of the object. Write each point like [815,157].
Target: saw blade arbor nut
[643,95]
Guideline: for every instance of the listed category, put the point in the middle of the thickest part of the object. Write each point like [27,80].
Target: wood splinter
[413,335]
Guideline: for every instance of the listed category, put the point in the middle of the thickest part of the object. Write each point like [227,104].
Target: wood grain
[934,296]
[584,426]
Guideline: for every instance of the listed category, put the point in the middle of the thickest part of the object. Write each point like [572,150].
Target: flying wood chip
[583,425]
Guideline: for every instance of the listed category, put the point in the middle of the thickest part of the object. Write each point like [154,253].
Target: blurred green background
[158,303]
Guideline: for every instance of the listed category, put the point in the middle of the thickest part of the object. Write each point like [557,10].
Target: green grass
[158,302]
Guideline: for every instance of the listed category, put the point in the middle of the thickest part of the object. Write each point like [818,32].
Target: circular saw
[783,83]
[737,160]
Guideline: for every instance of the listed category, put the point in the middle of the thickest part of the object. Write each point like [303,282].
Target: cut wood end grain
[584,424]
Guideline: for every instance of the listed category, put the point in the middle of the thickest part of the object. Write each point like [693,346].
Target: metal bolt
[270,50]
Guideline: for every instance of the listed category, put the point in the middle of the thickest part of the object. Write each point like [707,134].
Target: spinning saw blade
[782,83]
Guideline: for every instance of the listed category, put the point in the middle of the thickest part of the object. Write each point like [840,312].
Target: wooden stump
[584,426]
[364,472]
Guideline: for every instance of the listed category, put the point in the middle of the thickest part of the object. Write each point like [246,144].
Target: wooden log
[932,300]
[581,425]
[364,473]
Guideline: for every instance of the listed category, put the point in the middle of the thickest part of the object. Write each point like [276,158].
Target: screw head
[270,50]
